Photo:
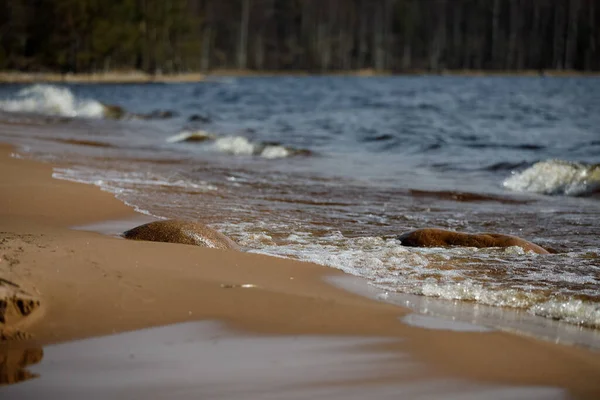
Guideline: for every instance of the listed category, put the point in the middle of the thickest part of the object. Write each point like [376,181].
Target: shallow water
[456,315]
[330,170]
[204,360]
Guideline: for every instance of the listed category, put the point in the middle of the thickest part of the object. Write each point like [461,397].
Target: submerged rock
[199,118]
[431,237]
[194,136]
[159,114]
[184,232]
[113,112]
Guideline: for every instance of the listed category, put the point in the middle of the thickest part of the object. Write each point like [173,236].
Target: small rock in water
[161,114]
[113,112]
[183,232]
[432,237]
[199,118]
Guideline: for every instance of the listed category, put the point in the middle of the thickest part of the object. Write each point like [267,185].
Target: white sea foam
[236,145]
[128,179]
[52,100]
[574,311]
[241,146]
[274,152]
[557,177]
[451,274]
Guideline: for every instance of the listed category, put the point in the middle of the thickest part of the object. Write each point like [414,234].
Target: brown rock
[431,237]
[175,231]
[113,112]
[16,306]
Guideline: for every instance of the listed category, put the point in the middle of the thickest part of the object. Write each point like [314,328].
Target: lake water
[331,169]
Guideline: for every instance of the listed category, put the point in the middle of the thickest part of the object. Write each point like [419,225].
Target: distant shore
[142,77]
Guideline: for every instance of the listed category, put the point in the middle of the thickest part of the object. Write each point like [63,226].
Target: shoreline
[110,285]
[137,77]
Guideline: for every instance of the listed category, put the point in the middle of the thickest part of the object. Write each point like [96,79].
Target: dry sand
[90,285]
[104,77]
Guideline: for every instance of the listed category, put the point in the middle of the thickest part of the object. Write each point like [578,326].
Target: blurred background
[177,36]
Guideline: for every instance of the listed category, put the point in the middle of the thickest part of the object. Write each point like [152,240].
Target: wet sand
[91,284]
[205,360]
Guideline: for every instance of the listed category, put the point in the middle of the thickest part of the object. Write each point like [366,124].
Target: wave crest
[52,100]
[238,145]
[557,177]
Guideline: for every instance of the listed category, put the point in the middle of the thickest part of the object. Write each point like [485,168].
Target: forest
[318,36]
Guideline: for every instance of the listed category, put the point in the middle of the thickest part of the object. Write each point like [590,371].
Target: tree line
[172,36]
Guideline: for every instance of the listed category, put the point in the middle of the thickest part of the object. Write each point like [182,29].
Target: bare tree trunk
[512,60]
[591,51]
[243,42]
[439,38]
[259,51]
[323,44]
[378,50]
[572,32]
[362,37]
[558,56]
[495,32]
[457,48]
[535,59]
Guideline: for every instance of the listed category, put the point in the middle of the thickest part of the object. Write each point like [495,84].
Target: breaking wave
[557,177]
[52,100]
[451,274]
[238,145]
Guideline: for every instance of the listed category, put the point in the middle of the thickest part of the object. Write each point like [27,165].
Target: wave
[53,100]
[238,145]
[59,101]
[451,274]
[557,177]
[122,183]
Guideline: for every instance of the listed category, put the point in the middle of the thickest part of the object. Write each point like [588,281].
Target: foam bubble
[575,311]
[241,146]
[236,145]
[121,180]
[52,100]
[557,177]
[271,152]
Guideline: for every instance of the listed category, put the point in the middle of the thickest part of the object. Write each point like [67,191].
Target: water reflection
[14,363]
[203,360]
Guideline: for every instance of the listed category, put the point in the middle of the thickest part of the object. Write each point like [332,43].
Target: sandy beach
[137,77]
[89,285]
